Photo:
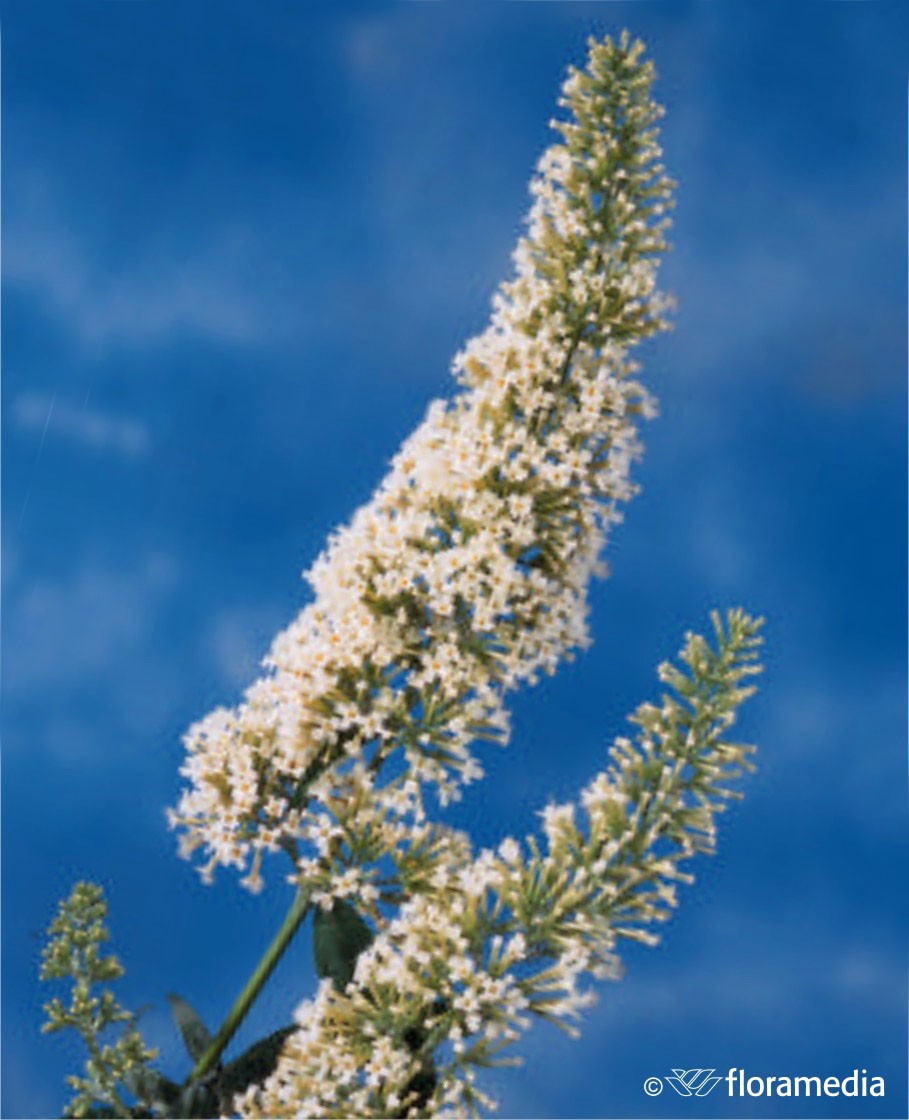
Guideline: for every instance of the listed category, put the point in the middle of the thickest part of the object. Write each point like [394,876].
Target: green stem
[254,984]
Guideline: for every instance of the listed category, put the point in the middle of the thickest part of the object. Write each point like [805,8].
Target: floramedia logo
[697,1082]
[700,1082]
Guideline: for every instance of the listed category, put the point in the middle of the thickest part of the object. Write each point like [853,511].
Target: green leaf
[152,1088]
[339,936]
[253,1065]
[198,1100]
[193,1031]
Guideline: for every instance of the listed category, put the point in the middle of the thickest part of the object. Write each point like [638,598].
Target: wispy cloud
[238,640]
[168,288]
[73,629]
[45,414]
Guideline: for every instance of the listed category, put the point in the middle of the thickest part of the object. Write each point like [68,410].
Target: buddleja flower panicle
[453,978]
[467,573]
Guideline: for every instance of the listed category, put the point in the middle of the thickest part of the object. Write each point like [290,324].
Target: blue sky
[241,244]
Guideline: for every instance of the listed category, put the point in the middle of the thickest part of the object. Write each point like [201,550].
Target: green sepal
[195,1034]
[339,936]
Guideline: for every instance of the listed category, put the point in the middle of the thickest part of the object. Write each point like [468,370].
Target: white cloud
[238,640]
[45,414]
[75,629]
[372,46]
[167,288]
[719,538]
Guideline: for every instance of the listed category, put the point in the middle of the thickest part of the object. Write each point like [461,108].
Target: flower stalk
[253,986]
